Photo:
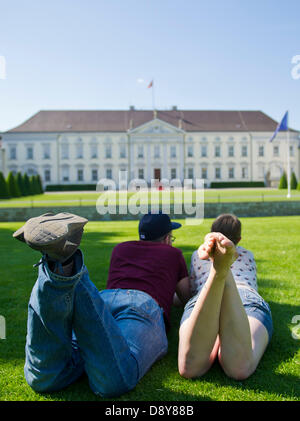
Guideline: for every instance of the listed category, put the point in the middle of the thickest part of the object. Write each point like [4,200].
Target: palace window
[65,173]
[65,151]
[122,151]
[13,152]
[261,151]
[244,172]
[173,151]
[173,173]
[190,173]
[244,150]
[217,151]
[29,152]
[94,175]
[109,173]
[231,150]
[108,151]
[94,151]
[141,151]
[79,151]
[204,173]
[203,150]
[80,174]
[46,152]
[190,151]
[218,172]
[141,173]
[47,175]
[230,172]
[275,150]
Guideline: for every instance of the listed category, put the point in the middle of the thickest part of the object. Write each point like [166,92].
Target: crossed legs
[116,342]
[218,326]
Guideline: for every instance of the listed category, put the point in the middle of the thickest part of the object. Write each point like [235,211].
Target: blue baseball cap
[155,225]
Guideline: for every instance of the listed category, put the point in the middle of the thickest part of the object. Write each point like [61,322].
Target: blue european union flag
[282,126]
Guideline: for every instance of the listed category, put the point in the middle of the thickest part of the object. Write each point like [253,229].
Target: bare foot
[219,249]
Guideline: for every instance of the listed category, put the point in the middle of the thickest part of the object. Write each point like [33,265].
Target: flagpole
[153,104]
[288,164]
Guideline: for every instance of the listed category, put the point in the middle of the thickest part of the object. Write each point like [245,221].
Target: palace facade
[81,147]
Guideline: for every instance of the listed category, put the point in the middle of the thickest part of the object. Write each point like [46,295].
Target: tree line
[17,185]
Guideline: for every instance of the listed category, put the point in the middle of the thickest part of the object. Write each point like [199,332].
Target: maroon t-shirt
[154,268]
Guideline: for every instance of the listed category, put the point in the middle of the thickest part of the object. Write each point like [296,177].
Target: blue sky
[96,54]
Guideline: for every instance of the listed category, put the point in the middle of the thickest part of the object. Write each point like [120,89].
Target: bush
[231,184]
[4,193]
[283,181]
[298,186]
[70,187]
[294,181]
[12,185]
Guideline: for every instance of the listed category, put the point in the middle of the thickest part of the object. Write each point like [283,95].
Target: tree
[294,181]
[4,193]
[33,186]
[283,181]
[12,185]
[41,190]
[20,183]
[26,184]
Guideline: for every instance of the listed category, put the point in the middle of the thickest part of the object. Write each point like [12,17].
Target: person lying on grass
[226,318]
[115,335]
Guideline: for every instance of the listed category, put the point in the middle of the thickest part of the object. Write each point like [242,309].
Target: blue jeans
[114,336]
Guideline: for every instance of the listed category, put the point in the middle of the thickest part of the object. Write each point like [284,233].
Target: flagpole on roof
[151,85]
[153,103]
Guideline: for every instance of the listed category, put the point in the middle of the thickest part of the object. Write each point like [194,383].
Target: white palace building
[81,147]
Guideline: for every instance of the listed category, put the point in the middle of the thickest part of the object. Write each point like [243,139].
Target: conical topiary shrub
[283,182]
[4,193]
[12,185]
[20,183]
[26,184]
[294,181]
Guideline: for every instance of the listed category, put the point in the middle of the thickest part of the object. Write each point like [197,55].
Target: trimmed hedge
[229,184]
[70,187]
[92,187]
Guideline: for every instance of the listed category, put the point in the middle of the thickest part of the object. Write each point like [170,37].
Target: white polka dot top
[243,270]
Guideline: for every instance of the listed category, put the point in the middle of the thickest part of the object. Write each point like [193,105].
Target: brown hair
[229,225]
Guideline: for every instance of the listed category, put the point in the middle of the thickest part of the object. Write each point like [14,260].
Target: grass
[90,198]
[275,243]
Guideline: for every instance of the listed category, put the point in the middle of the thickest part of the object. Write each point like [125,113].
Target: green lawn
[275,243]
[210,196]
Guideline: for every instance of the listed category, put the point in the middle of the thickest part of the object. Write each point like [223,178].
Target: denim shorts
[254,305]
